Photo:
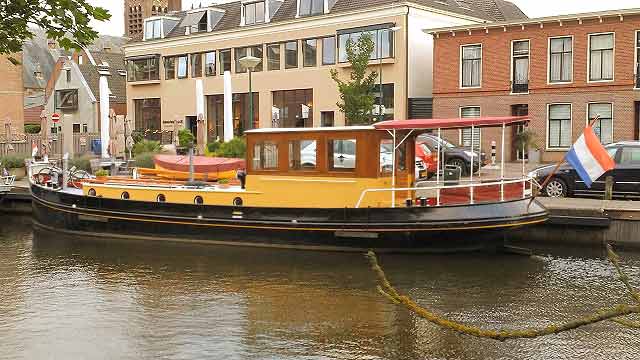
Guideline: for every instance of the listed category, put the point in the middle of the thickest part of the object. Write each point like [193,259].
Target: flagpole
[558,164]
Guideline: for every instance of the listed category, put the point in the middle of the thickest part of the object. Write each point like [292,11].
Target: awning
[455,123]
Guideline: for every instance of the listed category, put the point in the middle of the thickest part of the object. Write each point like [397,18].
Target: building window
[254,13]
[225,60]
[302,154]
[601,57]
[561,60]
[342,155]
[80,59]
[559,126]
[637,81]
[76,128]
[310,7]
[309,52]
[471,65]
[153,29]
[246,51]
[465,134]
[182,67]
[273,57]
[382,42]
[66,99]
[240,114]
[265,156]
[68,74]
[386,111]
[196,65]
[292,108]
[210,63]
[85,128]
[169,68]
[604,126]
[327,119]
[520,58]
[291,55]
[146,69]
[329,50]
[148,118]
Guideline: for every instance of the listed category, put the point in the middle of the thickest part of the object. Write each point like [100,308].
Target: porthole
[198,200]
[161,198]
[124,196]
[237,201]
[92,192]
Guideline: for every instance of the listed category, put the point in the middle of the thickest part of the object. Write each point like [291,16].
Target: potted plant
[15,165]
[526,140]
[101,174]
[186,141]
[223,183]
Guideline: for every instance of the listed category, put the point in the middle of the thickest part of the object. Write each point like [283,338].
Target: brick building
[135,11]
[11,92]
[559,70]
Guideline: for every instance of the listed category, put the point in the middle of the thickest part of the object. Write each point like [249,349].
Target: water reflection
[72,298]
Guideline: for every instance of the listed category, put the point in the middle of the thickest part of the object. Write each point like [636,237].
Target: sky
[533,8]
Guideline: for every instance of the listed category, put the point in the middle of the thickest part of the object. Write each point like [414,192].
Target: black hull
[449,228]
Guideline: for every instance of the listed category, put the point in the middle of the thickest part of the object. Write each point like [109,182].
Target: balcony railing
[520,86]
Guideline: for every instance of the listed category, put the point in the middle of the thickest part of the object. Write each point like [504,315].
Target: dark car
[626,175]
[454,155]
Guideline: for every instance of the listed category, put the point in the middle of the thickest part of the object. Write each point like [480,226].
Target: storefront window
[148,118]
[292,108]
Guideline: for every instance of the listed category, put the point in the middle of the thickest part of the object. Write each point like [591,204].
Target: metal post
[438,171]
[524,174]
[473,131]
[65,168]
[191,164]
[250,101]
[393,171]
[381,115]
[502,165]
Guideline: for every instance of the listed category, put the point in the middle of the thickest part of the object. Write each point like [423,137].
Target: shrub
[12,161]
[186,138]
[32,129]
[81,163]
[236,148]
[146,146]
[145,160]
[213,146]
[102,172]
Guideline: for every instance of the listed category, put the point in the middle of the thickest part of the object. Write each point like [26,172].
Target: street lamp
[250,62]
[393,30]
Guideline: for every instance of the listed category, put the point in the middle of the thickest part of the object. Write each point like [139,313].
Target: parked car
[454,155]
[626,175]
[428,157]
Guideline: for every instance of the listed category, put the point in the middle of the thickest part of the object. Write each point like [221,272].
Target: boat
[345,195]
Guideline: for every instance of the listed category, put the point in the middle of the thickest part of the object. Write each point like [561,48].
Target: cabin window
[265,156]
[342,155]
[161,198]
[125,196]
[198,200]
[303,154]
[386,160]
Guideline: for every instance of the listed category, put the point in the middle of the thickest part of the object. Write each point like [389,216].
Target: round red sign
[55,118]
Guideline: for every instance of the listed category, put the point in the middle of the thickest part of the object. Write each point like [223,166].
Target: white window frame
[635,59]
[325,8]
[479,129]
[612,115]
[546,142]
[549,82]
[461,76]
[243,19]
[511,66]
[613,70]
[144,28]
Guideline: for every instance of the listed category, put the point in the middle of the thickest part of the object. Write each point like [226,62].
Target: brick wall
[495,98]
[11,93]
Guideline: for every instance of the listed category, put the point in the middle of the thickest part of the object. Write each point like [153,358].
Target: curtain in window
[604,127]
[559,126]
[470,112]
[521,75]
[560,60]
[471,65]
[601,57]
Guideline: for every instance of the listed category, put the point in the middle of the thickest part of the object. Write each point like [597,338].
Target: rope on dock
[613,314]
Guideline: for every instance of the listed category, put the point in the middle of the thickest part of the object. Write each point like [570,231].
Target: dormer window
[158,27]
[254,13]
[310,7]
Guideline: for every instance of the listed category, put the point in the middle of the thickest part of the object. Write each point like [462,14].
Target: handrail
[8,180]
[475,185]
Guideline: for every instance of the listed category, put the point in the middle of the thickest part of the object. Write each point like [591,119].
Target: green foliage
[526,139]
[102,172]
[12,161]
[65,21]
[212,147]
[145,160]
[356,94]
[236,148]
[186,138]
[81,163]
[146,146]
[32,129]
[223,181]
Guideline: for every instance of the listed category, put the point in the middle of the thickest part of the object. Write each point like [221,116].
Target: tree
[65,21]
[356,94]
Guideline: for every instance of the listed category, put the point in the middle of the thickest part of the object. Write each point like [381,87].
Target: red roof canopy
[455,123]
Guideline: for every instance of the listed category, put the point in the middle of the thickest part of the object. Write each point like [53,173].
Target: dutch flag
[589,158]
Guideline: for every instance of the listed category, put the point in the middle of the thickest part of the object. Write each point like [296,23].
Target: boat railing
[8,180]
[526,191]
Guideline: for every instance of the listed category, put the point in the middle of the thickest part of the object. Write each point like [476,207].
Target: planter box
[19,173]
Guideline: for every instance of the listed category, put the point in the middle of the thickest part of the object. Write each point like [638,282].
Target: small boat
[342,188]
[204,168]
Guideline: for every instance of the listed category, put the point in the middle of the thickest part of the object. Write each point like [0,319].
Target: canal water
[65,298]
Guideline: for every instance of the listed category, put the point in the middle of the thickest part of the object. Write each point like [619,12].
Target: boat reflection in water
[155,300]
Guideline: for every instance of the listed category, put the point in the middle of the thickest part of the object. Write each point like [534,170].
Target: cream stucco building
[299,42]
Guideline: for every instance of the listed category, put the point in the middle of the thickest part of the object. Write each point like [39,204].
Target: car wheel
[459,163]
[556,188]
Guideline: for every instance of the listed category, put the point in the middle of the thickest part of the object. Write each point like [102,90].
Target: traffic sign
[55,117]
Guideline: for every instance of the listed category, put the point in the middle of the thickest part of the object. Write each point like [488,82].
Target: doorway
[191,123]
[518,110]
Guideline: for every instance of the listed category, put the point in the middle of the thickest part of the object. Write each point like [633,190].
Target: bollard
[493,153]
[608,188]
